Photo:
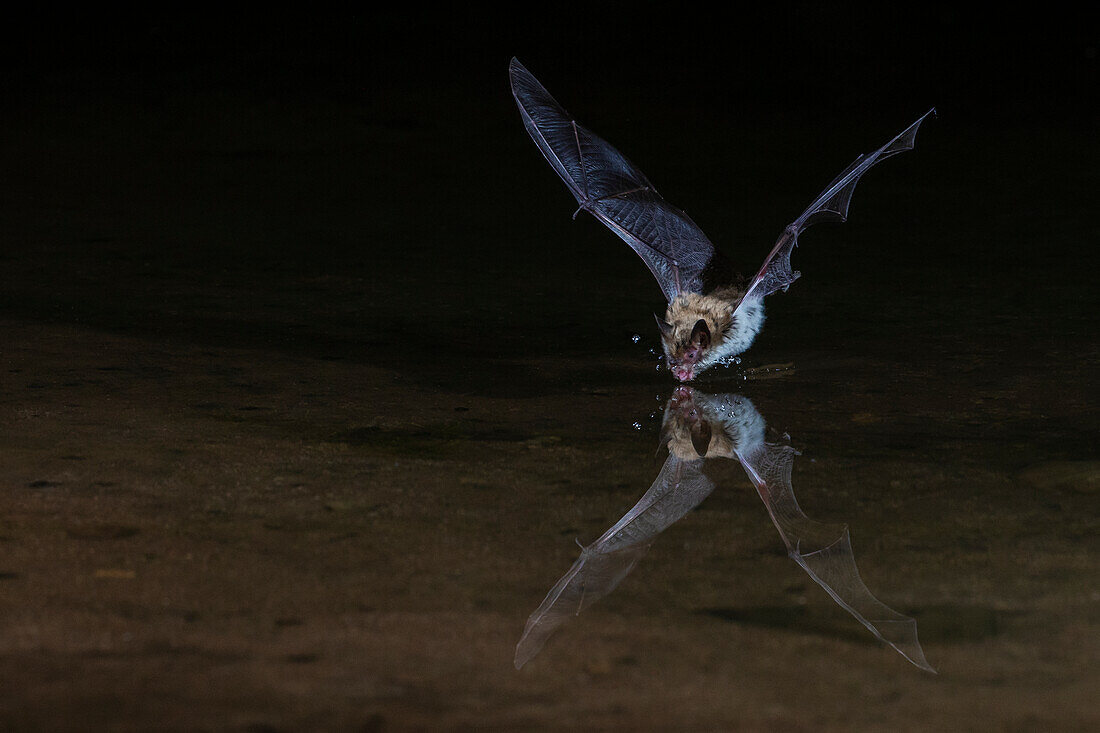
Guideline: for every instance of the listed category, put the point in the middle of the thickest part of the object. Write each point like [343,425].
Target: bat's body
[709,319]
[689,348]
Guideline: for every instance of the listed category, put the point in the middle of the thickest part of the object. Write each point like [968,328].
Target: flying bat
[711,316]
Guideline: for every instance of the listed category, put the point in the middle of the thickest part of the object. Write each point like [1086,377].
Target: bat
[697,428]
[711,316]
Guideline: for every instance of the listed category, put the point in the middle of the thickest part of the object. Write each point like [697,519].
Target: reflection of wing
[608,186]
[602,565]
[832,204]
[825,552]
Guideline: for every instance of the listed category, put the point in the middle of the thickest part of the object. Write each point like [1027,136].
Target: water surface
[299,427]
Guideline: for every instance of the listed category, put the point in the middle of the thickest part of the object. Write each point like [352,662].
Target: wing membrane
[679,488]
[825,552]
[831,205]
[612,189]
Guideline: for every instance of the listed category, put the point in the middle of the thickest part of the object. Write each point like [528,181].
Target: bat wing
[612,189]
[831,205]
[678,488]
[825,552]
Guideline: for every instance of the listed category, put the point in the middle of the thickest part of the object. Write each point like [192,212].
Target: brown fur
[687,308]
[681,445]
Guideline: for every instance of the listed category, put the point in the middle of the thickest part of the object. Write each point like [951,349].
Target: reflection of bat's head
[698,425]
[686,428]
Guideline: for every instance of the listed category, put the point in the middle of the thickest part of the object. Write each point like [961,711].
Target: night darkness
[309,380]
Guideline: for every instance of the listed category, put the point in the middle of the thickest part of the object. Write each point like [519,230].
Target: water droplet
[636,425]
[635,338]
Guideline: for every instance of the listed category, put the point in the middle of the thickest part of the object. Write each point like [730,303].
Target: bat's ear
[700,334]
[700,438]
[665,326]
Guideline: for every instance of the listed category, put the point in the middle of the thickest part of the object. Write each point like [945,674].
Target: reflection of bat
[678,489]
[709,319]
[823,551]
[733,429]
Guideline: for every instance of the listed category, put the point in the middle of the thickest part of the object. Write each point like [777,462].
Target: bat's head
[699,331]
[686,345]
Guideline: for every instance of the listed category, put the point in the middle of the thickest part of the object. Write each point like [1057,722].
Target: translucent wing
[678,489]
[608,186]
[832,204]
[825,552]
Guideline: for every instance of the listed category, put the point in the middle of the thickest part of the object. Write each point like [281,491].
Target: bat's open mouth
[683,373]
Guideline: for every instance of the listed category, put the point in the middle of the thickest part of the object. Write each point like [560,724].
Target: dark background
[995,68]
[255,149]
